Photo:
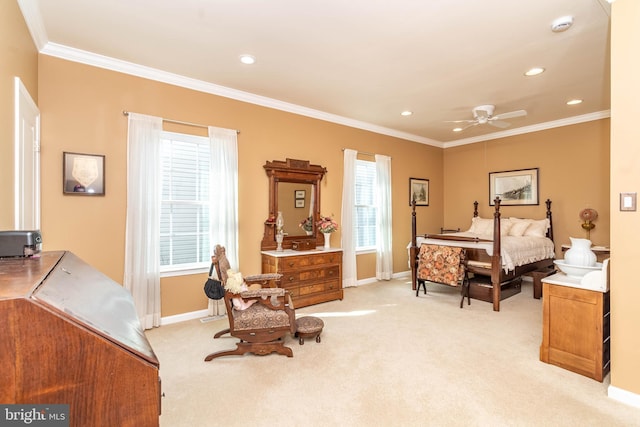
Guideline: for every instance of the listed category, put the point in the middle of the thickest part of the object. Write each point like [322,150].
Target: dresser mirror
[294,191]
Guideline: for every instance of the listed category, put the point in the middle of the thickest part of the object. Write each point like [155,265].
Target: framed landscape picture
[516,187]
[419,191]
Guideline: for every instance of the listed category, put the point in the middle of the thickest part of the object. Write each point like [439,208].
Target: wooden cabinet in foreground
[70,335]
[576,328]
[311,277]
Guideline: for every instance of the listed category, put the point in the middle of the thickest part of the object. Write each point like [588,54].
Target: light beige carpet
[386,358]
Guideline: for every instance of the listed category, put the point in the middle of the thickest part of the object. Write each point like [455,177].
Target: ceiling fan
[483,114]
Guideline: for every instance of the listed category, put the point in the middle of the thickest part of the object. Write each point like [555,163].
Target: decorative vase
[309,232]
[280,223]
[580,253]
[327,240]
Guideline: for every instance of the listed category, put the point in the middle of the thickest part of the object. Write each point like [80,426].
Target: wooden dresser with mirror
[313,275]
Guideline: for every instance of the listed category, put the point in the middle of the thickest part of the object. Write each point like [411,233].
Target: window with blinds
[365,209]
[184,215]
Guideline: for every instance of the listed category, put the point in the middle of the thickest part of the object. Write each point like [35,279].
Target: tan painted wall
[82,112]
[573,171]
[18,58]
[625,177]
[82,108]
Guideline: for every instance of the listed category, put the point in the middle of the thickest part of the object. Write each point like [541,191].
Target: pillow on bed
[537,228]
[505,226]
[518,228]
[534,228]
[483,226]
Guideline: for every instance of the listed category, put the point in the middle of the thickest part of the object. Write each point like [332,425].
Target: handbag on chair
[213,288]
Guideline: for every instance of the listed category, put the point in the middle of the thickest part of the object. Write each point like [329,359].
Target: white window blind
[365,210]
[184,217]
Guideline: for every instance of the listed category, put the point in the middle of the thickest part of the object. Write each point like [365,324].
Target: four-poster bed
[499,251]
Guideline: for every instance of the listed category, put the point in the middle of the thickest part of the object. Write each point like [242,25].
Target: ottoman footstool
[308,327]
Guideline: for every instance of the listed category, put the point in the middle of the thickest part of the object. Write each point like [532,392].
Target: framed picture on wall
[83,174]
[299,194]
[517,187]
[419,191]
[299,203]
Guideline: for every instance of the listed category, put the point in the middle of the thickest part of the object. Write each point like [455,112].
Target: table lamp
[588,215]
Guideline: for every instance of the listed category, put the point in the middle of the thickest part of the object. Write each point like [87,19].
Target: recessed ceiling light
[574,102]
[534,71]
[457,129]
[247,59]
[406,113]
[562,24]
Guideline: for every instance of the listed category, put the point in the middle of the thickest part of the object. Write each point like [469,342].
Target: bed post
[413,250]
[496,261]
[475,209]
[550,231]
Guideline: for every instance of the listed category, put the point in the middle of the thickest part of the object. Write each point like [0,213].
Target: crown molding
[89,58]
[33,19]
[92,59]
[533,128]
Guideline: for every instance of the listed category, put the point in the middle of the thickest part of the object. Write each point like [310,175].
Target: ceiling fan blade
[499,124]
[510,115]
[467,126]
[459,121]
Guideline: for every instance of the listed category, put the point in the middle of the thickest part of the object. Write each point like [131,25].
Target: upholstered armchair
[260,315]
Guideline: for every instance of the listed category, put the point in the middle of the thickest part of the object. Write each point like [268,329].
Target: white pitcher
[580,253]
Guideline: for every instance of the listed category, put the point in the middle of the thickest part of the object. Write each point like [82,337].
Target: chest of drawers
[311,277]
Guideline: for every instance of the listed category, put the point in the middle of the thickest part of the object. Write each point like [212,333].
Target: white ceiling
[356,62]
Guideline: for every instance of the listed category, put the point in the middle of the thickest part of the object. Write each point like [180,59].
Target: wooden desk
[71,335]
[575,329]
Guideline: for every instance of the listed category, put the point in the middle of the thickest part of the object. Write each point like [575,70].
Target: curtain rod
[179,122]
[364,152]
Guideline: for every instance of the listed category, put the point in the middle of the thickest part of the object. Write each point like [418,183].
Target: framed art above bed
[516,187]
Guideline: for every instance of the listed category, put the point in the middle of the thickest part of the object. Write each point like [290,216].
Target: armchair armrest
[270,279]
[273,294]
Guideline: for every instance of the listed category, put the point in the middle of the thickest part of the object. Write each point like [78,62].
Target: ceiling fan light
[534,71]
[457,129]
[574,102]
[406,113]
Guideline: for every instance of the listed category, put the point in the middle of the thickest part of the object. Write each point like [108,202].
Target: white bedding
[515,251]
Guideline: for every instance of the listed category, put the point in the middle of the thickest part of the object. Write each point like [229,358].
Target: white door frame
[26,159]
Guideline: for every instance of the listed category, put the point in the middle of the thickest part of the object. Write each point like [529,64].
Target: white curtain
[349,274]
[223,188]
[384,254]
[142,236]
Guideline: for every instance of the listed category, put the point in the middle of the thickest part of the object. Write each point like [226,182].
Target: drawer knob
[291,278]
[291,264]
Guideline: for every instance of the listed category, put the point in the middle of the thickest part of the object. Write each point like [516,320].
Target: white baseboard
[624,396]
[183,317]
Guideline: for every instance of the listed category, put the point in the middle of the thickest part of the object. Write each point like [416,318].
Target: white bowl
[576,270]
